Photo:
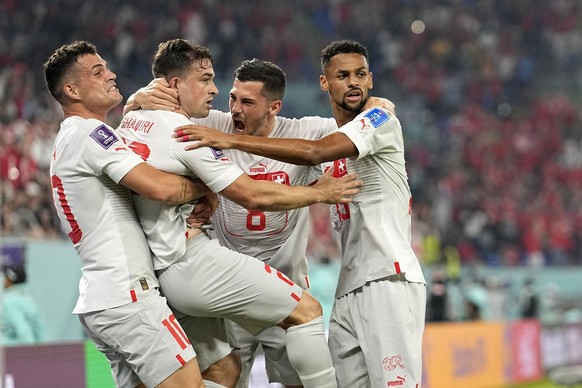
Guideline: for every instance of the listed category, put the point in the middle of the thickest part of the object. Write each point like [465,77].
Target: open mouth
[354,95]
[239,126]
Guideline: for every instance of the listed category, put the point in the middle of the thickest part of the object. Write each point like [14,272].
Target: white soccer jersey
[149,134]
[87,163]
[376,227]
[279,238]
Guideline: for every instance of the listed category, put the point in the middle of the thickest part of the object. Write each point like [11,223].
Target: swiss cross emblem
[280,177]
[341,168]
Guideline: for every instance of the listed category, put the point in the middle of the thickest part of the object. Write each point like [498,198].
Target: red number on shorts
[176,330]
[284,278]
[253,217]
[280,275]
[75,234]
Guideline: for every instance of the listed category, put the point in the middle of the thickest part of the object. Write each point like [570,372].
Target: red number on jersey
[256,219]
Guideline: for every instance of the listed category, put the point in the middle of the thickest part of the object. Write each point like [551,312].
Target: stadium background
[488,92]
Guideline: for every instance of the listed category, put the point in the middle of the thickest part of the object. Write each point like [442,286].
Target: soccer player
[92,172]
[198,276]
[277,238]
[378,317]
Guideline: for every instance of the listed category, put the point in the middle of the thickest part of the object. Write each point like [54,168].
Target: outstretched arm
[296,151]
[265,195]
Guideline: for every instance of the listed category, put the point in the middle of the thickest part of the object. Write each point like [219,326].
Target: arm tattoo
[184,190]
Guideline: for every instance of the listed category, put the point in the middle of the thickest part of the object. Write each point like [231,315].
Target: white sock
[309,354]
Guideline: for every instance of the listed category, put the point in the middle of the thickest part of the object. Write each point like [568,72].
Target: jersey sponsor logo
[364,124]
[258,169]
[103,136]
[377,117]
[399,382]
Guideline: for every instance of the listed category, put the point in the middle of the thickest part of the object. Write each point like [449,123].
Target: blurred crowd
[498,297]
[486,91]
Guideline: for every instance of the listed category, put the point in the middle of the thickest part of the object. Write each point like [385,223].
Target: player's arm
[160,186]
[265,195]
[156,95]
[296,151]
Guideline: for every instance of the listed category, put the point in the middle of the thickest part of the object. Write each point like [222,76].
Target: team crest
[393,362]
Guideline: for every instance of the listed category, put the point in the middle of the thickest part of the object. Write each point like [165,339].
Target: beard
[353,108]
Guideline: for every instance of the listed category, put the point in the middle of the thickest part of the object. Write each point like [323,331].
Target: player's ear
[70,91]
[323,83]
[173,82]
[275,107]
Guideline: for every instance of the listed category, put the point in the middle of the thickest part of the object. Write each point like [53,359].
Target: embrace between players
[172,303]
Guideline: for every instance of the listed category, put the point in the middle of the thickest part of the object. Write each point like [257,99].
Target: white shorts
[213,281]
[272,341]
[375,335]
[143,341]
[208,336]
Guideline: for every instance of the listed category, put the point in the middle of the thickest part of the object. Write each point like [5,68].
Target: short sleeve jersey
[87,163]
[149,134]
[278,237]
[376,227]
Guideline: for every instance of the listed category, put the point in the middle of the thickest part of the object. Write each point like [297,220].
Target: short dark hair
[272,76]
[175,57]
[341,47]
[14,272]
[60,63]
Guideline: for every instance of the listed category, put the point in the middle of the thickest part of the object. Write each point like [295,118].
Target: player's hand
[338,190]
[203,210]
[156,95]
[207,137]
[379,102]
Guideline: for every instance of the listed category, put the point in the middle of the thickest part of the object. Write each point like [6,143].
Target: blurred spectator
[438,298]
[528,300]
[20,321]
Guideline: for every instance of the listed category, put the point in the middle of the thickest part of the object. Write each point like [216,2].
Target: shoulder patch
[377,117]
[103,136]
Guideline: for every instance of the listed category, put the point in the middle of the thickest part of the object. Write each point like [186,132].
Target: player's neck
[267,129]
[343,116]
[183,112]
[80,111]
